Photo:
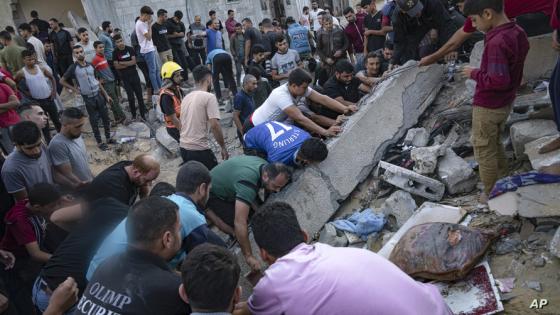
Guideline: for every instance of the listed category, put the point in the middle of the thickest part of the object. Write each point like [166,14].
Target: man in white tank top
[40,89]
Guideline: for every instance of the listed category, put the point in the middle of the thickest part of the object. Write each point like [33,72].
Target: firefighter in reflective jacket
[170,97]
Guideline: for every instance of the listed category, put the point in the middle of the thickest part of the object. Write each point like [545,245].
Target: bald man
[125,180]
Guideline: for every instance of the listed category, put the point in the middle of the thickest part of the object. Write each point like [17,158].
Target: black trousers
[222,64]
[180,56]
[205,157]
[49,107]
[97,107]
[63,62]
[198,56]
[174,133]
[132,86]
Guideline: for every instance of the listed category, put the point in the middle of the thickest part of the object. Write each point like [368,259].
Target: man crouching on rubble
[498,78]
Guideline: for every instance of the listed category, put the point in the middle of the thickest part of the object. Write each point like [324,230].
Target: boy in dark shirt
[124,60]
[497,79]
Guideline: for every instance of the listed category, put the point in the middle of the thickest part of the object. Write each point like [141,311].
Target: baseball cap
[411,7]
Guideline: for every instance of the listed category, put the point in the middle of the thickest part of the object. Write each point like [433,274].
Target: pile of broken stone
[429,175]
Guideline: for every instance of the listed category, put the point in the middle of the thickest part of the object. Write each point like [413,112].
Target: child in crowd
[500,73]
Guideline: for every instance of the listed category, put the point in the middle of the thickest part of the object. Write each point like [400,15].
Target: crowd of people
[75,243]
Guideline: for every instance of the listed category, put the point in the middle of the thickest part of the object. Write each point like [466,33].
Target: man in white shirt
[147,48]
[285,103]
[315,22]
[25,32]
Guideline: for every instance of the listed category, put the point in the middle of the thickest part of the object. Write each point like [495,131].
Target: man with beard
[94,95]
[343,86]
[193,189]
[199,112]
[68,150]
[26,165]
[235,187]
[332,45]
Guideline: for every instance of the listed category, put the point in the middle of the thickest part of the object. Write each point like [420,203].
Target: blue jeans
[151,61]
[41,298]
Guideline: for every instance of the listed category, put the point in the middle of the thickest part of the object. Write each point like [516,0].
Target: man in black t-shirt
[176,32]
[42,26]
[72,257]
[62,46]
[252,37]
[159,36]
[124,60]
[124,180]
[343,86]
[375,37]
[139,281]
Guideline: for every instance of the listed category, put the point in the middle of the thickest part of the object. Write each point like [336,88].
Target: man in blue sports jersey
[278,142]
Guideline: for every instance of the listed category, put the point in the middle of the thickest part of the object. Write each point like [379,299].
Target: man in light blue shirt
[193,189]
[220,61]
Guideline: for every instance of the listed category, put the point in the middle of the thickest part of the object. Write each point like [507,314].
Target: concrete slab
[384,117]
[135,129]
[526,131]
[539,62]
[417,137]
[554,246]
[529,201]
[166,140]
[533,100]
[428,212]
[539,160]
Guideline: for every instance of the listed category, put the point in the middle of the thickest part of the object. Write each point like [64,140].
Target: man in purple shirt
[355,33]
[320,279]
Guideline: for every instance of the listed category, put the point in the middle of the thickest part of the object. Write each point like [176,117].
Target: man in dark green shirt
[235,186]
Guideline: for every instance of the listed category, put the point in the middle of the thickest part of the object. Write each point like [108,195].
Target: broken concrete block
[417,137]
[428,212]
[554,246]
[529,201]
[135,129]
[412,182]
[456,173]
[539,160]
[166,140]
[527,102]
[393,107]
[539,62]
[426,158]
[400,205]
[329,235]
[524,132]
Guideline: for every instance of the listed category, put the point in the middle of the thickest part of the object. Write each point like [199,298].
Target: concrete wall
[6,16]
[52,9]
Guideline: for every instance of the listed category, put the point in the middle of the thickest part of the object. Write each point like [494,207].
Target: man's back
[73,255]
[274,106]
[197,108]
[113,182]
[321,279]
[279,141]
[10,57]
[135,282]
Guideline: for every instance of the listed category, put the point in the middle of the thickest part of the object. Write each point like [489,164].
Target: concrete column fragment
[412,182]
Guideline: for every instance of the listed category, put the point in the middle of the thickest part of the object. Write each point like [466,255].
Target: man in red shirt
[8,116]
[501,70]
[355,33]
[512,9]
[26,223]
